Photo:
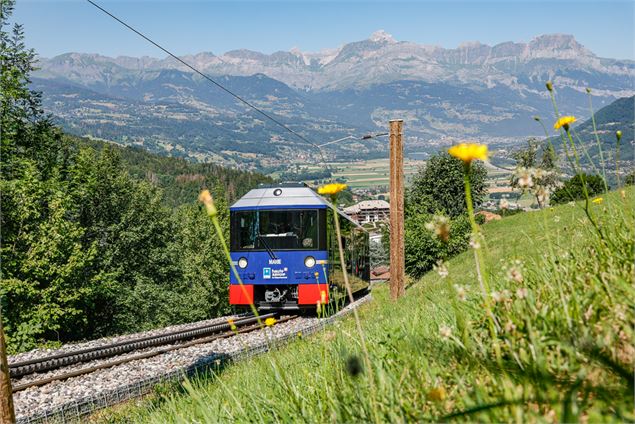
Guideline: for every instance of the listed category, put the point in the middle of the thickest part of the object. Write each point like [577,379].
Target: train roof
[283,196]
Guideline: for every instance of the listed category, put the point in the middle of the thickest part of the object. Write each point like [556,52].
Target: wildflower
[549,85]
[542,195]
[460,292]
[206,198]
[571,203]
[441,269]
[354,366]
[504,204]
[588,313]
[505,295]
[437,394]
[332,189]
[440,225]
[597,200]
[521,293]
[299,334]
[445,331]
[556,219]
[540,173]
[618,135]
[270,321]
[474,243]
[623,194]
[496,296]
[514,274]
[564,122]
[467,152]
[525,179]
[510,327]
[322,296]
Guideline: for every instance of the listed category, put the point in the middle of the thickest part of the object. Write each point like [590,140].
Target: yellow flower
[206,198]
[332,189]
[467,152]
[437,394]
[564,122]
[597,200]
[270,321]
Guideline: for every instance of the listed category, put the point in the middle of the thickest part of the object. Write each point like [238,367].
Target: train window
[274,230]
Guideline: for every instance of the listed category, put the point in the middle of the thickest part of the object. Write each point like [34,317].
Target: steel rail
[249,326]
[22,368]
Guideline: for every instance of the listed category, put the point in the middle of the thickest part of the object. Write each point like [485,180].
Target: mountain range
[475,91]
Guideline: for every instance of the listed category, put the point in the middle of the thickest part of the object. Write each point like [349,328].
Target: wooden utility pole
[397,250]
[7,415]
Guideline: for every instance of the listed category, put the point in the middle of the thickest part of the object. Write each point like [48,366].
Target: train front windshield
[274,230]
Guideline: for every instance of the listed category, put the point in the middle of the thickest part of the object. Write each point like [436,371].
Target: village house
[369,211]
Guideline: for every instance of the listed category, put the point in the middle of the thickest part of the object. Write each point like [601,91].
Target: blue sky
[55,27]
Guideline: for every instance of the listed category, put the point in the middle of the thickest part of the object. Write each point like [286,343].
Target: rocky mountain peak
[557,46]
[382,36]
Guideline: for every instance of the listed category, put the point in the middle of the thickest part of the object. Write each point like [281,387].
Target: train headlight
[309,261]
[242,263]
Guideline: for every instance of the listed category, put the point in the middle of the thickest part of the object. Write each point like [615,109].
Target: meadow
[371,173]
[551,340]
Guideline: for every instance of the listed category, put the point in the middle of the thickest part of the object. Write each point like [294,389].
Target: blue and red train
[284,247]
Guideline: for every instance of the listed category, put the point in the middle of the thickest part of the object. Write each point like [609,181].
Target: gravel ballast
[76,396]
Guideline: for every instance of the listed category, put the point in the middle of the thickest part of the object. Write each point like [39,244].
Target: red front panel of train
[310,294]
[241,295]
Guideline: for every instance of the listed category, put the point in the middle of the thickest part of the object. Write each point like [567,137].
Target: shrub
[424,249]
[438,187]
[573,188]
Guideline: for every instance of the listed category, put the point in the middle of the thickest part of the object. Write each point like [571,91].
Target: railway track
[163,343]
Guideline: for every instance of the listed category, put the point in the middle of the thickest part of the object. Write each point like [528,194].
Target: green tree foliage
[424,249]
[438,186]
[438,189]
[179,179]
[573,188]
[96,239]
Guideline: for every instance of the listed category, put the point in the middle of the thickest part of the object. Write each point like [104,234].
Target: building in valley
[369,211]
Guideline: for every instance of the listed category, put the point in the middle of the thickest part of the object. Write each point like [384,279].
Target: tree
[573,188]
[424,249]
[439,186]
[87,249]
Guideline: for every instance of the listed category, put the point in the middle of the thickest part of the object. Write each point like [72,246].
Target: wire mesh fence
[74,411]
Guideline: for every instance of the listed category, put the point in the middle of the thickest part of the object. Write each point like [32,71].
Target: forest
[98,239]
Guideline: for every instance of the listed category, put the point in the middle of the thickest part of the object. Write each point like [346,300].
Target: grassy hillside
[615,116]
[562,304]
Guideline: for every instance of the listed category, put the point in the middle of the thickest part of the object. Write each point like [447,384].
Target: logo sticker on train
[266,273]
[278,274]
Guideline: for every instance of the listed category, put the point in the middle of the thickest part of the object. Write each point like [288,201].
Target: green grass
[371,173]
[564,349]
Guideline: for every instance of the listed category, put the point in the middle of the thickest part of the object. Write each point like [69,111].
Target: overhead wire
[217,84]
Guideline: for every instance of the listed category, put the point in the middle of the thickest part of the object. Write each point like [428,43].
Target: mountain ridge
[474,91]
[302,70]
